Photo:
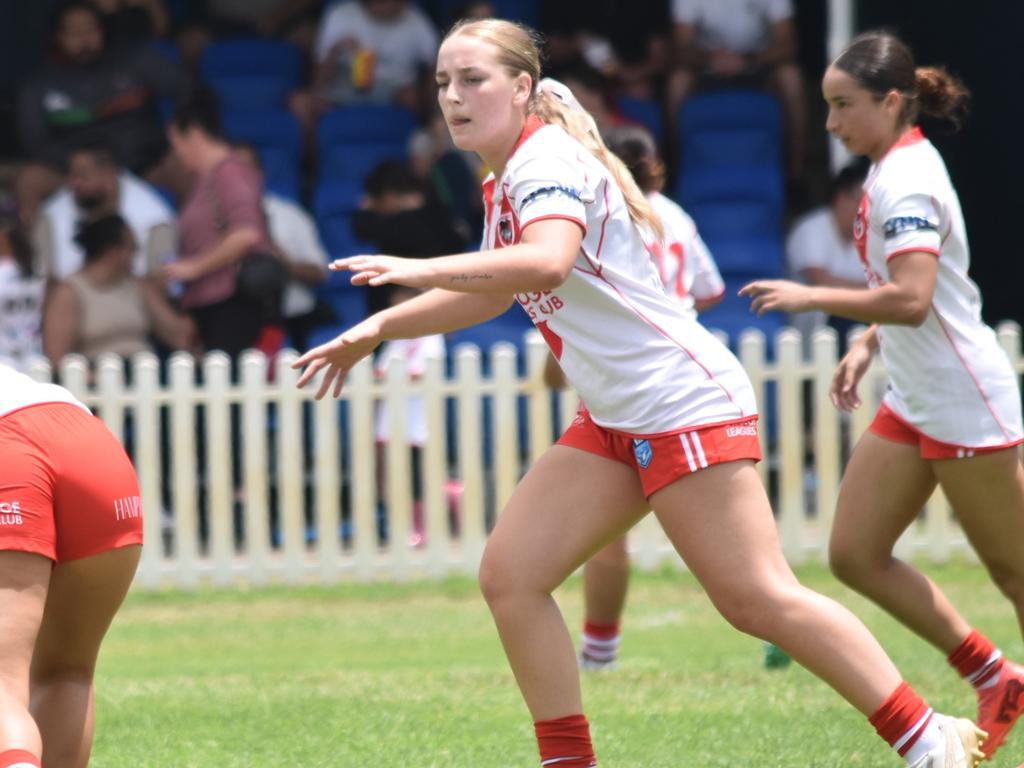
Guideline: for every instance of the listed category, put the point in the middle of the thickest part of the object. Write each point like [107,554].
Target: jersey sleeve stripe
[933,251]
[578,222]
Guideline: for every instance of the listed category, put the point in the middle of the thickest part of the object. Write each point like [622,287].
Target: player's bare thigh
[567,506]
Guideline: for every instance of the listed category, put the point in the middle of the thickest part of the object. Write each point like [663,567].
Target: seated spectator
[221,223]
[379,51]
[593,91]
[21,292]
[716,41]
[103,308]
[295,237]
[450,174]
[625,40]
[685,265]
[400,218]
[291,20]
[820,249]
[90,92]
[97,187]
[130,22]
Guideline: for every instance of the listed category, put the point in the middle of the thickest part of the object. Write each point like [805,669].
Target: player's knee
[751,612]
[494,577]
[1010,581]
[62,671]
[846,563]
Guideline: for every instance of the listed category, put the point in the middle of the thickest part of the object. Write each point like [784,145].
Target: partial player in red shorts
[951,416]
[70,537]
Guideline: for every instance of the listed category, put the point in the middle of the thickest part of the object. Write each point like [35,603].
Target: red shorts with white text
[67,488]
[888,425]
[663,459]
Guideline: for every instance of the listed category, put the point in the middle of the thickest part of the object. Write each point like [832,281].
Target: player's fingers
[750,289]
[325,384]
[309,373]
[339,382]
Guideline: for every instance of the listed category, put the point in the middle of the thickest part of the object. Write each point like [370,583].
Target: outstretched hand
[384,270]
[780,295]
[338,356]
[849,372]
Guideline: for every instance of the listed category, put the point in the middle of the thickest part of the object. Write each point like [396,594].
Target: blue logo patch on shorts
[643,453]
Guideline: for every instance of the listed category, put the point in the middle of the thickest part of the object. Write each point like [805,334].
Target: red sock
[565,742]
[901,719]
[977,660]
[18,758]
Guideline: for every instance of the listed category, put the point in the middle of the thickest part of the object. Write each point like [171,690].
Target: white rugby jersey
[683,261]
[641,366]
[949,378]
[19,391]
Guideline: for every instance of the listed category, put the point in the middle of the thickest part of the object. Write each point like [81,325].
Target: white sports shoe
[960,746]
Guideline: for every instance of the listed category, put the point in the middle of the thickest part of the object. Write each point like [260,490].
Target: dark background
[980,41]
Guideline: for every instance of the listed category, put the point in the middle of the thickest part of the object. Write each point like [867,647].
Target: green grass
[413,675]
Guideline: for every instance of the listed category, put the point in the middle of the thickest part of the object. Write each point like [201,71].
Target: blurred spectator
[415,353]
[745,41]
[97,187]
[400,218]
[294,234]
[103,307]
[820,249]
[207,20]
[450,174]
[592,90]
[128,22]
[221,223]
[379,51]
[481,9]
[625,40]
[685,265]
[21,291]
[91,93]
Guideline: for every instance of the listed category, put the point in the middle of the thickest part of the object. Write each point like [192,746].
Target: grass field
[413,675]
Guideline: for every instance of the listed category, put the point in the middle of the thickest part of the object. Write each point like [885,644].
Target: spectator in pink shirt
[221,223]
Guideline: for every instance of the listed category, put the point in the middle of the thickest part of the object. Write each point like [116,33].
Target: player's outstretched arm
[540,261]
[436,311]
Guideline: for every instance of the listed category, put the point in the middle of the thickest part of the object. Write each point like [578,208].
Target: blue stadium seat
[727,184]
[758,219]
[646,112]
[251,57]
[333,206]
[733,314]
[264,128]
[365,124]
[728,110]
[252,91]
[757,256]
[281,172]
[746,147]
[354,161]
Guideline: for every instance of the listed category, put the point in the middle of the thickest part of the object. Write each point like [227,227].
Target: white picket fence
[300,506]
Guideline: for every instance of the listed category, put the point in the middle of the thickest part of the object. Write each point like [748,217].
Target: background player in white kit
[952,414]
[70,537]
[690,276]
[671,423]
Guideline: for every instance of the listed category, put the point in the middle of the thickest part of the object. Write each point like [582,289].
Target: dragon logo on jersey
[642,452]
[506,229]
[901,224]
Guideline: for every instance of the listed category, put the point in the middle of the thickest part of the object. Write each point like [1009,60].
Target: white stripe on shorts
[699,449]
[687,451]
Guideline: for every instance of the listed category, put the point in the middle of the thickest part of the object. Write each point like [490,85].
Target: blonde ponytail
[581,126]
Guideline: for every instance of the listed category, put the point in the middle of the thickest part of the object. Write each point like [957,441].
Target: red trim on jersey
[604,221]
[530,127]
[890,426]
[581,224]
[932,251]
[910,137]
[970,372]
[488,190]
[675,341]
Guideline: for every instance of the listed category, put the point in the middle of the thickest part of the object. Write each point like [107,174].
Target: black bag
[261,280]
